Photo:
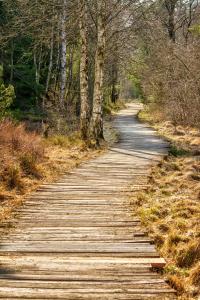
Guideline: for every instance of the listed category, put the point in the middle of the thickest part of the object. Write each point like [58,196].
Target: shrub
[66,141]
[195,275]
[59,140]
[29,165]
[12,177]
[176,283]
[188,254]
[15,138]
[174,151]
[20,152]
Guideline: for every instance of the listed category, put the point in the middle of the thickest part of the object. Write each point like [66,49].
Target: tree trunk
[171,7]
[70,75]
[96,129]
[114,92]
[63,70]
[12,62]
[57,64]
[84,95]
[50,60]
[171,28]
[37,64]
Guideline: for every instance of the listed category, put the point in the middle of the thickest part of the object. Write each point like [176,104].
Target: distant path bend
[78,238]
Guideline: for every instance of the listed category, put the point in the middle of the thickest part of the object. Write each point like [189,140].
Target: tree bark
[171,6]
[63,70]
[50,60]
[37,64]
[114,92]
[70,75]
[84,95]
[96,129]
[12,62]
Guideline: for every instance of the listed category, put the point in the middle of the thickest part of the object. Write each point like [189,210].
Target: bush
[174,151]
[29,165]
[188,254]
[64,141]
[20,152]
[13,177]
[15,138]
[195,275]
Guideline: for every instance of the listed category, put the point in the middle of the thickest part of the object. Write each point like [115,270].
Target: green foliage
[64,141]
[7,95]
[109,107]
[137,89]
[135,70]
[174,151]
[195,29]
[59,140]
[25,86]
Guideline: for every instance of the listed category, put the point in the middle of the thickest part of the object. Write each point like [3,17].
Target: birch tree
[106,12]
[63,64]
[84,96]
[96,129]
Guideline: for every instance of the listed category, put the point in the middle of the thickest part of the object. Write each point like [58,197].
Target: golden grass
[170,207]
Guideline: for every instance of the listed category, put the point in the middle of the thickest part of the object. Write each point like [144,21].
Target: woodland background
[150,50]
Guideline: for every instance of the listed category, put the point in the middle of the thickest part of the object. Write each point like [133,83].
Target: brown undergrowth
[170,207]
[27,161]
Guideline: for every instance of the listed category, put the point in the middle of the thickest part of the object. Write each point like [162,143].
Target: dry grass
[27,160]
[170,208]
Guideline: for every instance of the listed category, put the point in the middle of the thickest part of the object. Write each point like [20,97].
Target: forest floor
[28,160]
[170,207]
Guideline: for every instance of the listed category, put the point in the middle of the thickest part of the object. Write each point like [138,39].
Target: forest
[63,62]
[68,66]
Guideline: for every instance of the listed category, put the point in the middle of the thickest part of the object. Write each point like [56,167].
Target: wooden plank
[128,285]
[69,293]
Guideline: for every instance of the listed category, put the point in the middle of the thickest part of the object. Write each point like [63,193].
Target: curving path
[79,238]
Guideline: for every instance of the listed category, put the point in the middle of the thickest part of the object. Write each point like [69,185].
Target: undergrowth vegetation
[170,207]
[110,107]
[27,160]
[20,154]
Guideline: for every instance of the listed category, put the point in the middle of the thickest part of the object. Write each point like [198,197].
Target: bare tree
[63,67]
[84,94]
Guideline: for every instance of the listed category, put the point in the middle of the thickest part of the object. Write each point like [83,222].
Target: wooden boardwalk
[79,238]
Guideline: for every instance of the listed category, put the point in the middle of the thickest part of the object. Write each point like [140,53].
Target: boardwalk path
[79,239]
